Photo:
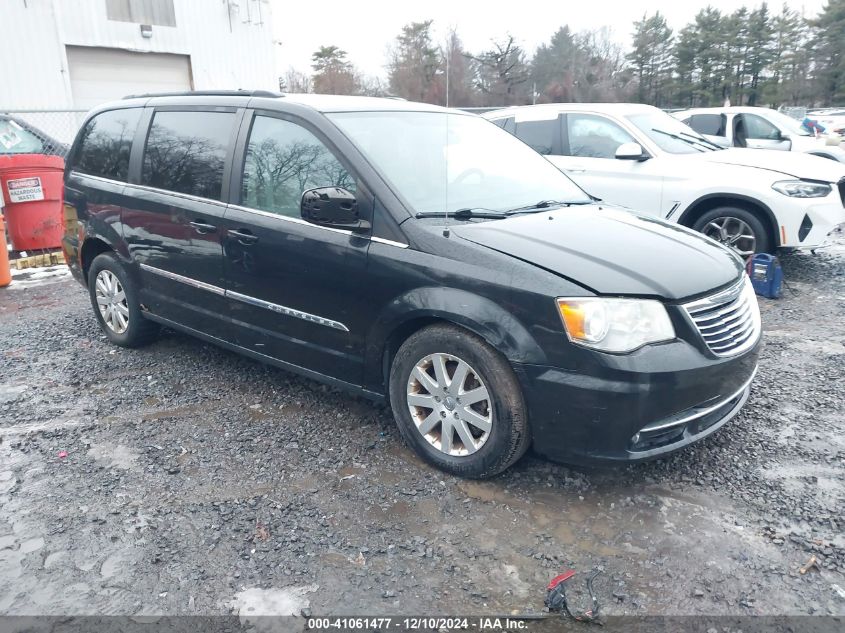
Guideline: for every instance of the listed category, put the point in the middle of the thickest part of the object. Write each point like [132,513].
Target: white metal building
[75,54]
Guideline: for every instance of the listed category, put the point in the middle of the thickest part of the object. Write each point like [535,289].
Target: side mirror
[631,151]
[333,207]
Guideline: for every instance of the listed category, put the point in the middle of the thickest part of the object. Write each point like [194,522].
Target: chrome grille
[729,321]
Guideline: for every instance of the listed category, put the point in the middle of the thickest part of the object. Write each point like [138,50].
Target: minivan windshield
[671,135]
[443,162]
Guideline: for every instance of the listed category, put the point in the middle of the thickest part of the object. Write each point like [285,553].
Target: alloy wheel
[733,233]
[450,404]
[111,301]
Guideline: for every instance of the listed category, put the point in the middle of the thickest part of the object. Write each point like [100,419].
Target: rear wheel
[458,403]
[737,229]
[115,302]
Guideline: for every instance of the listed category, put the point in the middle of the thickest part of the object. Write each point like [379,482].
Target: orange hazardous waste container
[32,190]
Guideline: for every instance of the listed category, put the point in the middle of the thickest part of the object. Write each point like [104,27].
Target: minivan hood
[794,164]
[612,252]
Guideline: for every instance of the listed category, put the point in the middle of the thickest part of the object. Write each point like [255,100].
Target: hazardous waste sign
[25,189]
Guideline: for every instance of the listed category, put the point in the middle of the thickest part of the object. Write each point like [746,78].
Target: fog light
[635,439]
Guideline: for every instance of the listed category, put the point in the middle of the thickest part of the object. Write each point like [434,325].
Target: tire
[730,219]
[126,326]
[487,372]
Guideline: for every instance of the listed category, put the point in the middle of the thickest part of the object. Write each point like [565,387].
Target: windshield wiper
[545,204]
[480,212]
[463,214]
[702,139]
[679,138]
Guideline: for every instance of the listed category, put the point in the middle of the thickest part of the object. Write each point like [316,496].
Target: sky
[366,28]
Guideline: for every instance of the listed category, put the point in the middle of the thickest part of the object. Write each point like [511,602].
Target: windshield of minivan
[442,162]
[670,134]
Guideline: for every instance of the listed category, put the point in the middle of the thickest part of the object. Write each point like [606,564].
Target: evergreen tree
[415,64]
[758,51]
[829,47]
[333,73]
[651,59]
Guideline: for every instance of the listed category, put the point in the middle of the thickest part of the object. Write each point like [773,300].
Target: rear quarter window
[105,144]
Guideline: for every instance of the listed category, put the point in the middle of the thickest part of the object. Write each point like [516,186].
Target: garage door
[105,74]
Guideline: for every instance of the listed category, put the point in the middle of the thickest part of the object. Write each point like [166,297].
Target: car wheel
[114,298]
[458,403]
[736,228]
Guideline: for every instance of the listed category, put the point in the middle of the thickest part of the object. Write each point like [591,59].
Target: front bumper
[635,407]
[811,223]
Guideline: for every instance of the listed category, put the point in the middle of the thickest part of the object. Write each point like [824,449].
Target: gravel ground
[183,479]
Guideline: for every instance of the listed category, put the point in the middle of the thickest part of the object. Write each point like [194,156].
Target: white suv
[640,157]
[759,128]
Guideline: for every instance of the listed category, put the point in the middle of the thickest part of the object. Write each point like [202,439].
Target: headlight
[615,325]
[802,189]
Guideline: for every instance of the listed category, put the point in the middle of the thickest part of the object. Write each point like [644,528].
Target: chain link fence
[38,131]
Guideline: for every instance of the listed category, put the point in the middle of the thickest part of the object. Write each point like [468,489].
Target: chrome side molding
[254,301]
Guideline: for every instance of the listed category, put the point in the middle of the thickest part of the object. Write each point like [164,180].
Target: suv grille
[729,321]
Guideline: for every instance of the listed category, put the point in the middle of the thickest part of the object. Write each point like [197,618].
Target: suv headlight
[802,189]
[615,325]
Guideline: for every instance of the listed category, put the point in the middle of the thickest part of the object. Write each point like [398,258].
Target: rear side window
[539,135]
[283,160]
[710,124]
[186,152]
[106,143]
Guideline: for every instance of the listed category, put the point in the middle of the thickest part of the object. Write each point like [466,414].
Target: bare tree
[295,81]
[458,90]
[502,73]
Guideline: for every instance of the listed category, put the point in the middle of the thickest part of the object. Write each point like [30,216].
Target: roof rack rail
[209,93]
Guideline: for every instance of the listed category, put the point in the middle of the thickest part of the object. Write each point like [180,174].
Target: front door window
[283,160]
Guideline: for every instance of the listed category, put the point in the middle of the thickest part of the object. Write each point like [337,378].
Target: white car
[639,157]
[759,128]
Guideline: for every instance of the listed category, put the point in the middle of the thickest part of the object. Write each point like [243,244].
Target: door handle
[202,228]
[575,169]
[244,236]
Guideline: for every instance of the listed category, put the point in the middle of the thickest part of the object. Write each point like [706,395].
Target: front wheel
[458,403]
[736,228]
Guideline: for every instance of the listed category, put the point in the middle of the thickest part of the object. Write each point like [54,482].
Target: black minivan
[412,254]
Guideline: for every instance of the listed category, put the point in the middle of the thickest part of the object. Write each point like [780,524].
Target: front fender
[478,314]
